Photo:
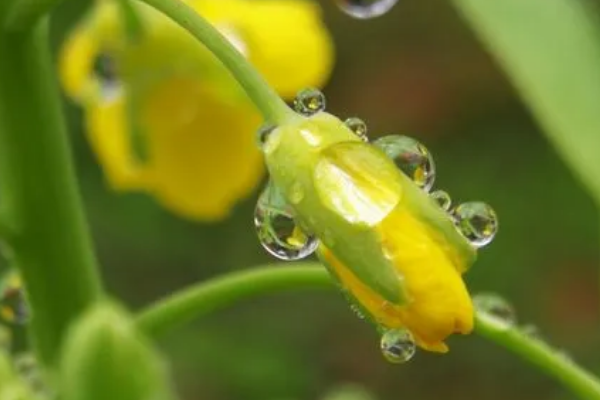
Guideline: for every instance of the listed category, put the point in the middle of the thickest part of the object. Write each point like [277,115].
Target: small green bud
[105,357]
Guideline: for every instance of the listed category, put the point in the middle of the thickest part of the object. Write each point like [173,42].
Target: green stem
[552,361]
[273,109]
[23,14]
[227,290]
[50,243]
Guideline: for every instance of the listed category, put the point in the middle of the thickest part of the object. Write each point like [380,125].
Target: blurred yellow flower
[394,250]
[162,114]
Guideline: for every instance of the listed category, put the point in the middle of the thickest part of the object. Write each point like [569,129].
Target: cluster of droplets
[282,236]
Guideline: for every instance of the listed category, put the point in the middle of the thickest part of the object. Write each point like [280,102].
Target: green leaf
[550,49]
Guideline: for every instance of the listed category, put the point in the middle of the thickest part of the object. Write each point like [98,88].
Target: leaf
[550,49]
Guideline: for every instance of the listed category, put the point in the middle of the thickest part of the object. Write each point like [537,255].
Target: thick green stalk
[207,297]
[38,191]
[273,109]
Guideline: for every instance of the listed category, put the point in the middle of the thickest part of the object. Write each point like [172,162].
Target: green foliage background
[419,71]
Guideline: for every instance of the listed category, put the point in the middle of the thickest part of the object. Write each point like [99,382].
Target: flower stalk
[272,107]
[213,295]
[49,240]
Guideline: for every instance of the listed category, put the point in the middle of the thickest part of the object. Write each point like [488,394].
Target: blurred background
[418,71]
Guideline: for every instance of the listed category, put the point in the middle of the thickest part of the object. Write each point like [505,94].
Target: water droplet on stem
[309,101]
[497,307]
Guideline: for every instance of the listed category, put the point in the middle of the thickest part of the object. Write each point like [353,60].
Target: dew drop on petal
[13,303]
[442,198]
[398,346]
[365,9]
[477,222]
[277,229]
[496,307]
[309,101]
[411,157]
[357,126]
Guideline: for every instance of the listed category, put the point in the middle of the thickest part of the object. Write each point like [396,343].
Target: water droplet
[477,222]
[532,331]
[442,198]
[496,307]
[411,157]
[365,9]
[357,126]
[356,309]
[263,133]
[105,72]
[398,346]
[309,101]
[277,230]
[13,302]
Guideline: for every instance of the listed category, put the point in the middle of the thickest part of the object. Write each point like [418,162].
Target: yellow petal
[202,149]
[107,132]
[286,40]
[76,62]
[438,304]
[289,44]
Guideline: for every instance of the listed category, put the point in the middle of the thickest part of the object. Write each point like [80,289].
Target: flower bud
[105,357]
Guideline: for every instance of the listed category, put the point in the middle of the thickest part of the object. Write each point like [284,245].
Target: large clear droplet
[442,198]
[309,101]
[277,229]
[13,303]
[357,126]
[398,346]
[411,157]
[364,9]
[496,307]
[105,72]
[477,221]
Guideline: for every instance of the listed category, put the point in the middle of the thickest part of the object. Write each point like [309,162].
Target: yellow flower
[393,249]
[166,118]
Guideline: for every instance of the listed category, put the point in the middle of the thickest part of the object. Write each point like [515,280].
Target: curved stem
[554,362]
[227,290]
[273,109]
[41,205]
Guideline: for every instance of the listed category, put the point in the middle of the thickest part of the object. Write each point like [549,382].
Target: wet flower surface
[396,251]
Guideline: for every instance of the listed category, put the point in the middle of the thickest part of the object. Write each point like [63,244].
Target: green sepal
[105,357]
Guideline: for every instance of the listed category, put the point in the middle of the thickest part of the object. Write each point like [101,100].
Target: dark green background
[417,71]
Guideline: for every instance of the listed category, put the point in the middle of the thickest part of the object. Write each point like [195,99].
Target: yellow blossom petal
[107,132]
[197,126]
